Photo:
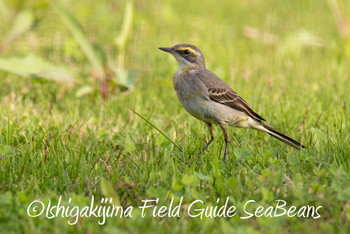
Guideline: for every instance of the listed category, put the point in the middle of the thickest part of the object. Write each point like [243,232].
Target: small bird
[211,100]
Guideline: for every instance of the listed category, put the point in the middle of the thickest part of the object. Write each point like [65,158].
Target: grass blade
[22,24]
[75,28]
[126,27]
[35,67]
[155,127]
[109,192]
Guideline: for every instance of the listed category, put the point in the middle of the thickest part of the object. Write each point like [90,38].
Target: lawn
[101,121]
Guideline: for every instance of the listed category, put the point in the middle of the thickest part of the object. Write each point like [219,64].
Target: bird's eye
[186,51]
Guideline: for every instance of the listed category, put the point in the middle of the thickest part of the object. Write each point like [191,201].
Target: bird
[209,99]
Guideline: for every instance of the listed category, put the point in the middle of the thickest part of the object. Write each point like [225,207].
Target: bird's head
[187,55]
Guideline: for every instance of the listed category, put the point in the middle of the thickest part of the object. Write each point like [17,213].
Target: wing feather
[220,92]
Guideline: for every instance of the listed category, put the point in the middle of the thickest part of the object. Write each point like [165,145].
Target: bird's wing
[220,92]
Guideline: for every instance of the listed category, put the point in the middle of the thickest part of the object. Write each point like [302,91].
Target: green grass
[79,147]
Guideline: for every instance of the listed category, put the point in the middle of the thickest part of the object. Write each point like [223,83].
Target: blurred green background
[70,71]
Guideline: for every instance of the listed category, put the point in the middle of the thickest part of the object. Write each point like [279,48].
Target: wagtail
[211,100]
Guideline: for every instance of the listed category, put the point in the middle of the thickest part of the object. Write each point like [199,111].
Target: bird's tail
[280,136]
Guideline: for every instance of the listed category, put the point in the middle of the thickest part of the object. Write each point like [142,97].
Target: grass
[79,147]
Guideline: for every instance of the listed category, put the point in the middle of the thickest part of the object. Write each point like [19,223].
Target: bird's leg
[210,126]
[227,139]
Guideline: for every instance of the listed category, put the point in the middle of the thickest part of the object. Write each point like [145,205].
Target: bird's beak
[166,49]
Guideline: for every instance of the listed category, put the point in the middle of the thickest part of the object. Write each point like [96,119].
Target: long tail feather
[280,136]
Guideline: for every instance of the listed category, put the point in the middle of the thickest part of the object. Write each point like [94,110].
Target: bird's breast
[192,95]
[188,87]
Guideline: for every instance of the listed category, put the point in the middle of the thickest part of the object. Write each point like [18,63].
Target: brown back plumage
[220,92]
